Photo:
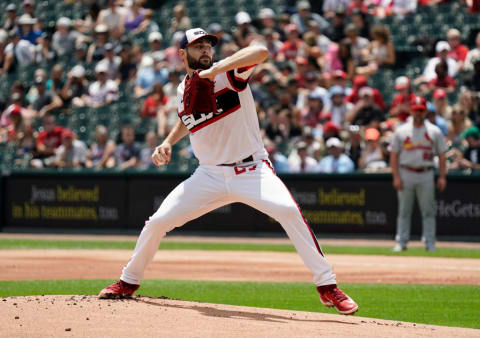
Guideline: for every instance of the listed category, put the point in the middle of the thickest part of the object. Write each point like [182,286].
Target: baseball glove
[199,95]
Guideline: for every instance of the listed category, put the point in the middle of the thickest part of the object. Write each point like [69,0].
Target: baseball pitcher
[218,113]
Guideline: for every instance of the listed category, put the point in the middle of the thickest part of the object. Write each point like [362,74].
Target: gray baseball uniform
[416,148]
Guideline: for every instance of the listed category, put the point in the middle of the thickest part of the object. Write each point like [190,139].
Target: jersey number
[428,156]
[241,170]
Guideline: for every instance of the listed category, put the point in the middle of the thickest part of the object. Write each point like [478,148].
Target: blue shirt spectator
[337,161]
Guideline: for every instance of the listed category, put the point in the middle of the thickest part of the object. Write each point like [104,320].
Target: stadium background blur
[92,84]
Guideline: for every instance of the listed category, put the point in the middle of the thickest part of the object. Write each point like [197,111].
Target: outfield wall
[116,201]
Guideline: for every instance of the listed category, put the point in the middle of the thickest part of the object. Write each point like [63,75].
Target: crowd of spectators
[317,107]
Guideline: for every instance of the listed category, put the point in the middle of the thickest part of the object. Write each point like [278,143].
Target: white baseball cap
[101,28]
[101,67]
[334,142]
[26,19]
[441,46]
[194,34]
[402,82]
[242,17]
[78,71]
[266,13]
[64,22]
[155,36]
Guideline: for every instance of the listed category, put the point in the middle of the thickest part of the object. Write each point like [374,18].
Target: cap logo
[199,32]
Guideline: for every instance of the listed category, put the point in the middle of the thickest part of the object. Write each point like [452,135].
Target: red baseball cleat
[118,290]
[331,295]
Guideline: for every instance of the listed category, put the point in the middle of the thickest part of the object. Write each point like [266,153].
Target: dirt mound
[235,266]
[86,316]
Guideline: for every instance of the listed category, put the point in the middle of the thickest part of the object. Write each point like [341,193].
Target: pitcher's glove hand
[199,95]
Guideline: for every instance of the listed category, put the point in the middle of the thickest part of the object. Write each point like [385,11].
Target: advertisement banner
[66,202]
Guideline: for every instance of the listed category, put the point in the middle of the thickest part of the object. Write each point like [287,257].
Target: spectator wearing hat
[473,54]
[338,107]
[330,129]
[400,107]
[64,39]
[222,38]
[103,91]
[336,161]
[10,123]
[101,153]
[359,82]
[43,50]
[354,147]
[458,51]
[127,154]
[47,101]
[133,16]
[72,153]
[314,115]
[272,42]
[442,79]
[26,29]
[112,61]
[339,78]
[18,52]
[440,102]
[304,13]
[49,139]
[471,155]
[180,20]
[11,19]
[155,40]
[152,71]
[75,88]
[244,32]
[80,53]
[443,49]
[112,18]
[299,161]
[366,112]
[96,50]
[29,7]
[372,156]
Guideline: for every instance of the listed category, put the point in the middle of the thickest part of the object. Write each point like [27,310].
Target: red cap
[439,93]
[291,28]
[330,126]
[14,109]
[339,74]
[359,81]
[418,103]
[67,133]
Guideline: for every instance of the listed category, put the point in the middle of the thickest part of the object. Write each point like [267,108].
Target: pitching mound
[86,316]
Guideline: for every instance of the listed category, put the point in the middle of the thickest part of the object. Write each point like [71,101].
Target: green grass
[328,249]
[453,305]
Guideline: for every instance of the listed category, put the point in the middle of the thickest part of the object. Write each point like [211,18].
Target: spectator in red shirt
[359,82]
[155,106]
[357,5]
[458,51]
[443,80]
[50,138]
[290,48]
[400,107]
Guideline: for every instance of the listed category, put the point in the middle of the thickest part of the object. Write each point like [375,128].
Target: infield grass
[329,249]
[452,305]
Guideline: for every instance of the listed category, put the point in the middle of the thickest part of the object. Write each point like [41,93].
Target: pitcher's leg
[264,191]
[426,201]
[192,198]
[406,198]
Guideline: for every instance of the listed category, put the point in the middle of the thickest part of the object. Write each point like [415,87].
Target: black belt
[245,160]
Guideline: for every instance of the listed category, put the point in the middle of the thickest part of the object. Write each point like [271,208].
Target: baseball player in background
[225,137]
[415,144]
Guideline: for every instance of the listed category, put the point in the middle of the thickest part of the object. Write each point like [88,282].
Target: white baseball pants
[211,187]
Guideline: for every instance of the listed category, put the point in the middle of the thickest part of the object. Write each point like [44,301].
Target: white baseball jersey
[418,146]
[232,133]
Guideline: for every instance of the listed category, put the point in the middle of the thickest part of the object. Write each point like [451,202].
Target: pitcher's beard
[198,64]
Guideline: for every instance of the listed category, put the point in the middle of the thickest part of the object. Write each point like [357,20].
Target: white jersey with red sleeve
[232,133]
